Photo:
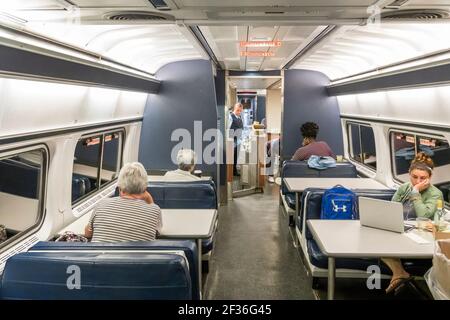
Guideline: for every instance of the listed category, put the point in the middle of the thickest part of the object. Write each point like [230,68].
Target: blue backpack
[339,203]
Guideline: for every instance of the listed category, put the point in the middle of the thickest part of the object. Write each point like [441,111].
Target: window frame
[101,186]
[350,145]
[42,185]
[411,132]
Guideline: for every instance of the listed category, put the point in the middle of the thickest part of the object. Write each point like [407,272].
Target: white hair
[132,178]
[186,159]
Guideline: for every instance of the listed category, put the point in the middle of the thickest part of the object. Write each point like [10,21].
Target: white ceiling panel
[237,3]
[150,43]
[229,51]
[225,43]
[253,83]
[298,33]
[146,47]
[33,4]
[356,49]
[112,3]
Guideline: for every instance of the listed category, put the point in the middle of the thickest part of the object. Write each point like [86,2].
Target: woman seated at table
[132,216]
[310,146]
[419,199]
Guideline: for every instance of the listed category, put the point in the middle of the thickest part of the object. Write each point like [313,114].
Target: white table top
[300,184]
[177,223]
[155,178]
[347,238]
[188,223]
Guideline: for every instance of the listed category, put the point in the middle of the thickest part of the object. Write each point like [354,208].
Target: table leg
[331,278]
[199,262]
[297,214]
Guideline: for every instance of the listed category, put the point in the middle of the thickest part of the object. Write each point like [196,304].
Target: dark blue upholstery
[187,246]
[81,185]
[184,194]
[290,200]
[320,260]
[300,169]
[19,178]
[103,275]
[445,189]
[312,201]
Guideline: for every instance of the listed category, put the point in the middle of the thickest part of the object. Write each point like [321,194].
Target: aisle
[254,256]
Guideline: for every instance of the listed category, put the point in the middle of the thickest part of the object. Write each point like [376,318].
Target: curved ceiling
[145,47]
[149,44]
[355,49]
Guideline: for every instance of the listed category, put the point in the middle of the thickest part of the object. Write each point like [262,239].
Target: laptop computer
[381,214]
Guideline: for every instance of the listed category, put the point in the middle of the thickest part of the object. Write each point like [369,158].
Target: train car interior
[261,125]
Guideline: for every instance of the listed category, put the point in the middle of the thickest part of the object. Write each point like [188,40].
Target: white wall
[28,106]
[273,110]
[421,105]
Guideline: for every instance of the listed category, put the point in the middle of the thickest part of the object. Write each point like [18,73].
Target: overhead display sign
[245,44]
[257,54]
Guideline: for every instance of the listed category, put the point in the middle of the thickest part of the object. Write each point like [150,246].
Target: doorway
[261,98]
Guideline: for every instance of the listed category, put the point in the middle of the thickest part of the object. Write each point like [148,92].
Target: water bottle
[439,215]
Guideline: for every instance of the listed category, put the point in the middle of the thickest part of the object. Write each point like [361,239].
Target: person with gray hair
[186,165]
[132,216]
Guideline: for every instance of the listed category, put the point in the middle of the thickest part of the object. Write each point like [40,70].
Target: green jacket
[425,202]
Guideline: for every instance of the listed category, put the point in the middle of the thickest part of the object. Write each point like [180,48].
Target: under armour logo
[336,207]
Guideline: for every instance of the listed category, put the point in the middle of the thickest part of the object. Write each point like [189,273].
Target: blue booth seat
[184,194]
[163,270]
[312,204]
[300,169]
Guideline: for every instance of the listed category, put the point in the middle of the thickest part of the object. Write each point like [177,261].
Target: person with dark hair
[310,146]
[419,199]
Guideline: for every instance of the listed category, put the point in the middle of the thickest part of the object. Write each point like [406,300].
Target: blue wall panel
[261,108]
[220,98]
[186,95]
[306,99]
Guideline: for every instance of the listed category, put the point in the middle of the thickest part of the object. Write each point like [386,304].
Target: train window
[21,192]
[406,145]
[362,144]
[111,156]
[97,161]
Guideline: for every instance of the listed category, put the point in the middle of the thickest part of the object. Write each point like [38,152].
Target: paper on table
[416,238]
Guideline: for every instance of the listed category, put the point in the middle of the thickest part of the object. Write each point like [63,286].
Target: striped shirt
[119,219]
